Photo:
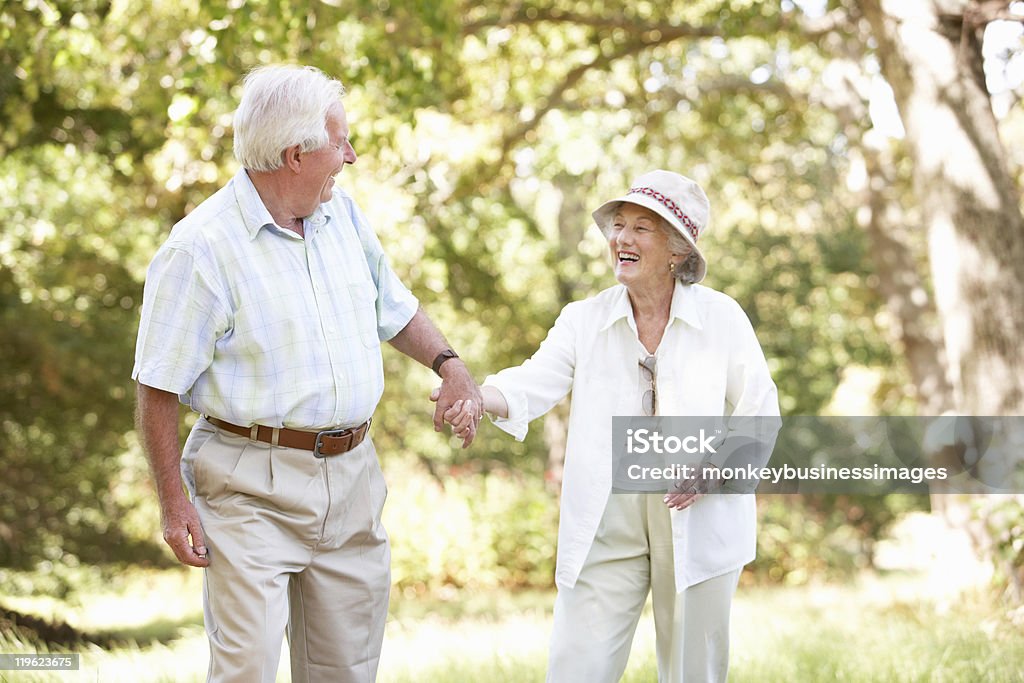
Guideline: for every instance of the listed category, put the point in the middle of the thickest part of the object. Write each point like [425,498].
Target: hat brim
[604,214]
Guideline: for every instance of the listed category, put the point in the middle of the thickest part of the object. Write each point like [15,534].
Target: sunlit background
[486,134]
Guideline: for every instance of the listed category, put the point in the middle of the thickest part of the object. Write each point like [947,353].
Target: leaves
[486,133]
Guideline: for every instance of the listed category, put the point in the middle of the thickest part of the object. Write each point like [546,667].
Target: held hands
[463,416]
[686,492]
[459,402]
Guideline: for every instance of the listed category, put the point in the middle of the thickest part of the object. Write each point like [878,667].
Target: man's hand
[421,341]
[461,416]
[181,521]
[157,421]
[686,492]
[458,385]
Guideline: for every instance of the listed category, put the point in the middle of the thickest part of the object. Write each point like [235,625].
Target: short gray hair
[282,106]
[686,270]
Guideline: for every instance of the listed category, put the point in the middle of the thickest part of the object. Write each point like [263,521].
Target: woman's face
[639,247]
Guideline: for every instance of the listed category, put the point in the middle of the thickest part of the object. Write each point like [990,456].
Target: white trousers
[595,620]
[295,545]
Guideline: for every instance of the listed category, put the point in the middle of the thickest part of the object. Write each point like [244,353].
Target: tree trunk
[906,297]
[930,52]
[932,59]
[573,219]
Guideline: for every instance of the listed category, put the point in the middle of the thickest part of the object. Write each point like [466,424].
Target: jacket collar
[684,307]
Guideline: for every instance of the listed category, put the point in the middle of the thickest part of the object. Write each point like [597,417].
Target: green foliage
[822,537]
[481,532]
[69,287]
[1003,519]
[487,132]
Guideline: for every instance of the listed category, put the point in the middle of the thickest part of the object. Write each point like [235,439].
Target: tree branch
[817,27]
[556,98]
[528,16]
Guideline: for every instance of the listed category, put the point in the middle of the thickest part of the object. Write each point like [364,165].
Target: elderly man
[264,312]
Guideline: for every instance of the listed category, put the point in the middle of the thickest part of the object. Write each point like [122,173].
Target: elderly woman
[655,344]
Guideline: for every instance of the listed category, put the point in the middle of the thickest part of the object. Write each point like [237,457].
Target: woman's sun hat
[674,197]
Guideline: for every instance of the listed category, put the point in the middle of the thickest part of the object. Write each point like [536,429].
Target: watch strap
[440,359]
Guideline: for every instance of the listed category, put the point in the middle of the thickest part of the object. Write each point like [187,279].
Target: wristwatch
[441,358]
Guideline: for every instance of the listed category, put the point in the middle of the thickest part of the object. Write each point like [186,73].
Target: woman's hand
[686,492]
[463,416]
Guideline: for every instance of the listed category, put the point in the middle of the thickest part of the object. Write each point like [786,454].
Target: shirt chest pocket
[697,387]
[363,295]
[608,390]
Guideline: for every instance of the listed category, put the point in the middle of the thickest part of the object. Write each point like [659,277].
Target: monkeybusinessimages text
[644,441]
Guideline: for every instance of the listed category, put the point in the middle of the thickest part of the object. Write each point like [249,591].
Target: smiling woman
[660,344]
[640,249]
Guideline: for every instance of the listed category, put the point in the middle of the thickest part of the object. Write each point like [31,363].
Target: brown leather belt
[327,442]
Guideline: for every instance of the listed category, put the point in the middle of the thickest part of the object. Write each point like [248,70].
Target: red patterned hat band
[671,206]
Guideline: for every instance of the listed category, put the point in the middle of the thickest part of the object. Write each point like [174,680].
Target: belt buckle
[319,440]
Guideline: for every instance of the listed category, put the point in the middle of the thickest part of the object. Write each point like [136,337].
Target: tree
[931,55]
[484,143]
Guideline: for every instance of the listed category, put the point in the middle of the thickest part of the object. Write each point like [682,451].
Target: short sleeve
[396,305]
[183,316]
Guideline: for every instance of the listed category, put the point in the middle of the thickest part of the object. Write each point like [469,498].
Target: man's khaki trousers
[595,620]
[295,544]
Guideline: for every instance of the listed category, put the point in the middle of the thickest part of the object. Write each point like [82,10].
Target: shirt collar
[254,212]
[684,307]
[620,308]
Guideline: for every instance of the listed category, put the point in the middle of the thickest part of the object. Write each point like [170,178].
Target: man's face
[319,167]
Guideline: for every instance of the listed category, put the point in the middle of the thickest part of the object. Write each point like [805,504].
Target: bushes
[499,530]
[478,531]
[823,536]
[1003,520]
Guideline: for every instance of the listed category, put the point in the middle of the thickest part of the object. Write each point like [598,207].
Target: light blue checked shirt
[249,322]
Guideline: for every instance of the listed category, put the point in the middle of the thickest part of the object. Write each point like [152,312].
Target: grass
[872,630]
[872,633]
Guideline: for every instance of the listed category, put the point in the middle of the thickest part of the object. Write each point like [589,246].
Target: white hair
[686,270]
[282,106]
